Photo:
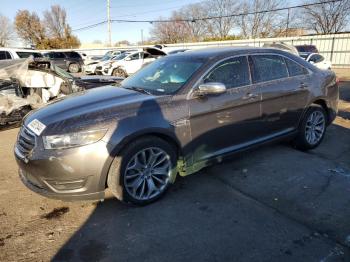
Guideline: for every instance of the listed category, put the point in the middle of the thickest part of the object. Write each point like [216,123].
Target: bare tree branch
[7,34]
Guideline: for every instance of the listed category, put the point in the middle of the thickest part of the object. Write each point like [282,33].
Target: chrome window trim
[196,84]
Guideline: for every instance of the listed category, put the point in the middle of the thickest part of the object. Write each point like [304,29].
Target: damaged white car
[29,84]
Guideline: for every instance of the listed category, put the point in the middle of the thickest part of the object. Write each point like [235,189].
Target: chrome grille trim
[25,142]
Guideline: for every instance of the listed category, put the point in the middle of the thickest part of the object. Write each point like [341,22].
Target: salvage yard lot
[271,204]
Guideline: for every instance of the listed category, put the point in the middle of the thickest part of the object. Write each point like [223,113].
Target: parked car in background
[306,48]
[130,62]
[67,60]
[317,60]
[15,53]
[90,67]
[177,115]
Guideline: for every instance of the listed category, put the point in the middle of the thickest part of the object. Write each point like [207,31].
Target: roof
[19,49]
[214,52]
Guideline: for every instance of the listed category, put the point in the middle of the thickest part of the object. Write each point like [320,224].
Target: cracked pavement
[273,203]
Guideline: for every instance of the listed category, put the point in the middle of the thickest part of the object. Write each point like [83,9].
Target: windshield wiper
[138,89]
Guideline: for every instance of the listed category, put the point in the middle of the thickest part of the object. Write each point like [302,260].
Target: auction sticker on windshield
[36,126]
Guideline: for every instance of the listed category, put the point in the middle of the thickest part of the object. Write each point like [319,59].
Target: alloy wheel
[147,173]
[315,127]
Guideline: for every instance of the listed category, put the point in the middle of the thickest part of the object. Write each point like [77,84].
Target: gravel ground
[271,204]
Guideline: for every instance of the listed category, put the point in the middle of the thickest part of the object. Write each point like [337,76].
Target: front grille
[98,67]
[25,142]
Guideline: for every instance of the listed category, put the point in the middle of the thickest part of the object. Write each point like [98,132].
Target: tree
[56,21]
[58,29]
[170,32]
[30,28]
[331,17]
[221,26]
[7,31]
[53,32]
[262,24]
[122,43]
[195,30]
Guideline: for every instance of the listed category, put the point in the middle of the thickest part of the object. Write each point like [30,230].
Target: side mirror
[312,62]
[128,59]
[212,88]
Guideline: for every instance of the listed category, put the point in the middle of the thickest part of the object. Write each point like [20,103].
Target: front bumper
[68,174]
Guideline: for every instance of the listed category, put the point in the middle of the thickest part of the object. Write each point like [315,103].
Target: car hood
[96,107]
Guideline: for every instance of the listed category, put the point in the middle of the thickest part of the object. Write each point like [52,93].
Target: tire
[123,172]
[74,68]
[119,72]
[312,128]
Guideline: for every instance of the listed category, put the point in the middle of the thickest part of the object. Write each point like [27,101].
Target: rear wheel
[143,171]
[119,72]
[74,68]
[312,128]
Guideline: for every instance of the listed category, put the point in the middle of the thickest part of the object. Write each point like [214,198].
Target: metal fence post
[332,50]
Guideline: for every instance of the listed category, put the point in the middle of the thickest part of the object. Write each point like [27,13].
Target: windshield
[164,76]
[28,54]
[121,56]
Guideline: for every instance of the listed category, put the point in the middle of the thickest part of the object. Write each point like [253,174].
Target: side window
[135,56]
[268,67]
[316,58]
[233,72]
[3,55]
[295,69]
[59,55]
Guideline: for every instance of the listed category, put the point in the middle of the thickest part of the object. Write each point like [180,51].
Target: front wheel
[119,73]
[312,128]
[143,171]
[74,68]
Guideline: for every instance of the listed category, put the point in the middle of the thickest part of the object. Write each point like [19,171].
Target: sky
[82,13]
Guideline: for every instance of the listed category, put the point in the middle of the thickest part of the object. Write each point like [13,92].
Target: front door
[222,123]
[133,63]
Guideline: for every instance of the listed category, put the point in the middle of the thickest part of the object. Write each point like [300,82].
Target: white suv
[128,63]
[13,53]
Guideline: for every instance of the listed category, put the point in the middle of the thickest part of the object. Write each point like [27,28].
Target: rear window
[72,54]
[268,67]
[5,55]
[28,54]
[294,68]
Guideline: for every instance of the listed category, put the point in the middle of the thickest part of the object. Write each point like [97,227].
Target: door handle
[249,96]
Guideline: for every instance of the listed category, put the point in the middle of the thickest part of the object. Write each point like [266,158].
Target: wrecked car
[31,83]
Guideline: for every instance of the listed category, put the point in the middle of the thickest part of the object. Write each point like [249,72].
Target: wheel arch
[160,133]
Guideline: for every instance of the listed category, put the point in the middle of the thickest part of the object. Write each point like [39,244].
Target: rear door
[222,123]
[283,84]
[58,59]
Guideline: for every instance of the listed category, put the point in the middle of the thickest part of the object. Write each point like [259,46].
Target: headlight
[73,139]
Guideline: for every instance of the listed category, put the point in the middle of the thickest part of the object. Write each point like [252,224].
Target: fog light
[68,184]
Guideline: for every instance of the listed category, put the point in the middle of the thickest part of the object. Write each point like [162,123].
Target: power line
[209,17]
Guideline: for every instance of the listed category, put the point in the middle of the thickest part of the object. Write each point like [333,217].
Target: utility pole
[287,29]
[141,36]
[109,23]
